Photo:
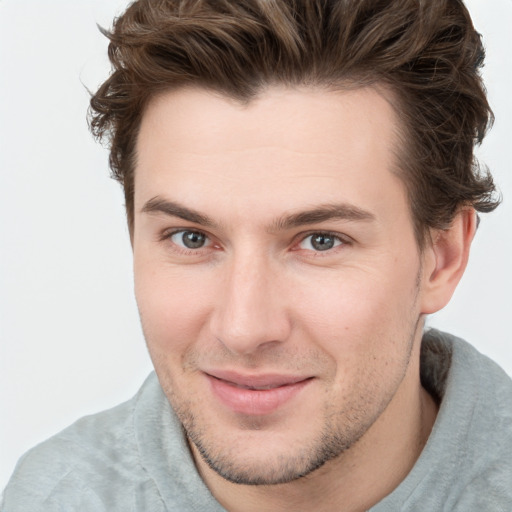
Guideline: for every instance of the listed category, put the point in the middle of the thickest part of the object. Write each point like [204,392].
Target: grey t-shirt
[135,457]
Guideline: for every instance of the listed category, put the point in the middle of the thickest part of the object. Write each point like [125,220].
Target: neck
[358,478]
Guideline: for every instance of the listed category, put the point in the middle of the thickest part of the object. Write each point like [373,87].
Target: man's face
[276,272]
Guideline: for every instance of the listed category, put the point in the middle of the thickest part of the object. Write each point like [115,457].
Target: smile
[256,388]
[255,395]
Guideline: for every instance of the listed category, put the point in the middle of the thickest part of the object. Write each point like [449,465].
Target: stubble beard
[282,469]
[341,430]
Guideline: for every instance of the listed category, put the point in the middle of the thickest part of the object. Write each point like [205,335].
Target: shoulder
[473,433]
[81,466]
[483,423]
[464,379]
[466,463]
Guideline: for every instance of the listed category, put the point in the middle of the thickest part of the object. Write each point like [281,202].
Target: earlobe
[445,260]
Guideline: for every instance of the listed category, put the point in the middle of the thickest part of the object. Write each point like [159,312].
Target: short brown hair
[426,52]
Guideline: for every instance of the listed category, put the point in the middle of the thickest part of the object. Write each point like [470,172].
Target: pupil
[193,240]
[322,242]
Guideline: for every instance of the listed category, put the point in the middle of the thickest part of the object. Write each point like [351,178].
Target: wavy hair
[426,53]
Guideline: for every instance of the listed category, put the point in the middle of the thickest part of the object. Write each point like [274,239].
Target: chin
[262,453]
[268,466]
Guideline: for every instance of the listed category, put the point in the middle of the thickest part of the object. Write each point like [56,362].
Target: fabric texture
[135,457]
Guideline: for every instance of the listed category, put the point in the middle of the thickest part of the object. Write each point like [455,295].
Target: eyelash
[343,241]
[167,237]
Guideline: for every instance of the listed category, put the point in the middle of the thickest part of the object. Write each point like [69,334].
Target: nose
[250,311]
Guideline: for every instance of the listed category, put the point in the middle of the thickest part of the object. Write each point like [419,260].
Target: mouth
[255,394]
[255,388]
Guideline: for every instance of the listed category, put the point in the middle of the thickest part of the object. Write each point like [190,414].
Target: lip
[255,394]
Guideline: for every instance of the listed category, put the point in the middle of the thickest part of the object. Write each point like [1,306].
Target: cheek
[172,307]
[359,310]
[366,327]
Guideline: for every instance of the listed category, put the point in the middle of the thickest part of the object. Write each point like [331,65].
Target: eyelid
[166,235]
[344,239]
[175,238]
[340,236]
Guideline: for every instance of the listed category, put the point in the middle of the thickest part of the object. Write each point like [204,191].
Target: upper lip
[262,381]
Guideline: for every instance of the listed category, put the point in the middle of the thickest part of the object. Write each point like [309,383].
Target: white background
[70,341]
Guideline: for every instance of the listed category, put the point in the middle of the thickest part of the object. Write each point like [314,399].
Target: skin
[259,298]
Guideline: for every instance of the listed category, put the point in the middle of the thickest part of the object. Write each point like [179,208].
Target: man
[301,193]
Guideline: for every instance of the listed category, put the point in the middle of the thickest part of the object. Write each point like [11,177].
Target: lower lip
[254,401]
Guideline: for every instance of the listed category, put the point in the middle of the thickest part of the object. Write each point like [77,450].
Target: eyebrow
[173,209]
[315,215]
[322,213]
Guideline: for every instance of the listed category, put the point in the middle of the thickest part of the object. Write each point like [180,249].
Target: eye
[320,242]
[190,239]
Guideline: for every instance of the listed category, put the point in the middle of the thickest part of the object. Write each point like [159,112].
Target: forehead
[288,148]
[311,118]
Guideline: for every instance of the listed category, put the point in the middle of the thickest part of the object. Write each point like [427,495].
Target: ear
[445,259]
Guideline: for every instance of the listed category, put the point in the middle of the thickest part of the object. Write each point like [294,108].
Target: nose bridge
[250,311]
